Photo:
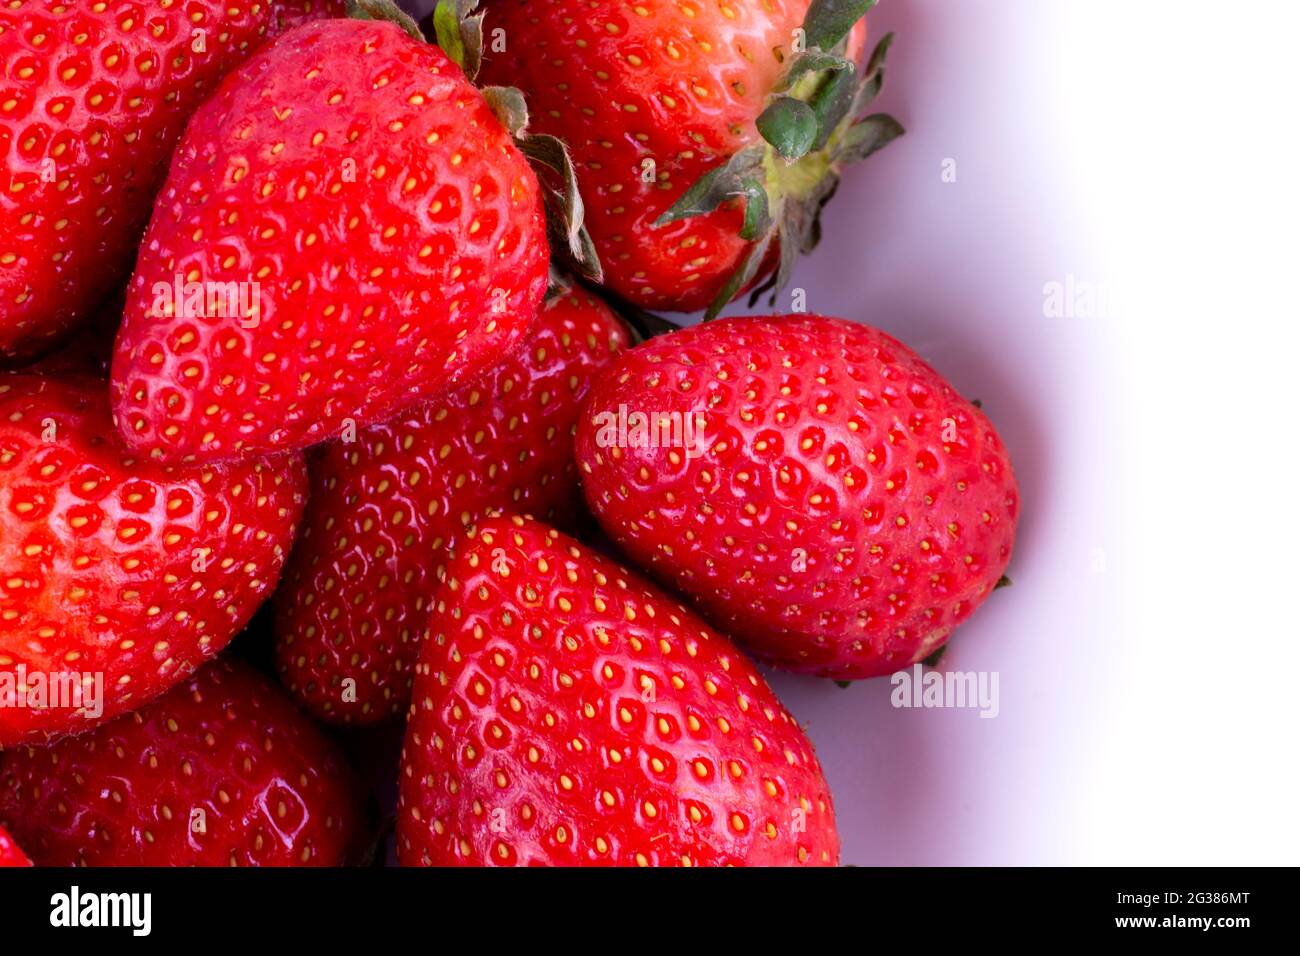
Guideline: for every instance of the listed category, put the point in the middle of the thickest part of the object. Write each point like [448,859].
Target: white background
[1179,123]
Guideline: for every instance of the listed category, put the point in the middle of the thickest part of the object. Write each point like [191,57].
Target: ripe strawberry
[677,109]
[220,771]
[564,712]
[844,508]
[93,98]
[10,855]
[115,573]
[385,509]
[384,231]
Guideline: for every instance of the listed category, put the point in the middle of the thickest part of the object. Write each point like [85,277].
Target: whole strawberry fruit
[119,576]
[346,228]
[95,99]
[564,712]
[385,508]
[835,504]
[705,135]
[10,855]
[220,771]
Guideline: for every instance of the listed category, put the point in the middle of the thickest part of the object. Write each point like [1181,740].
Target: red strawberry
[658,97]
[118,573]
[10,855]
[564,712]
[385,233]
[220,771]
[92,100]
[844,508]
[385,509]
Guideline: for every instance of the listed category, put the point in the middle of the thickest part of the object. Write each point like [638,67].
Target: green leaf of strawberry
[757,216]
[867,136]
[716,186]
[832,102]
[460,33]
[565,206]
[790,125]
[829,21]
[385,10]
[754,259]
[509,106]
[813,61]
[873,76]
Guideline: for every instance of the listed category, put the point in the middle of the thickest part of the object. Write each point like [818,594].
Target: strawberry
[675,110]
[383,233]
[10,855]
[220,771]
[93,98]
[840,507]
[565,712]
[385,509]
[118,575]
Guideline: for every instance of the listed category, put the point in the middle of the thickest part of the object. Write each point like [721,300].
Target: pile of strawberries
[388,339]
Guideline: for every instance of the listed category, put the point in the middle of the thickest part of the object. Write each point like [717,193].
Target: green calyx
[459,31]
[383,10]
[456,27]
[453,25]
[829,21]
[815,123]
[790,126]
[797,180]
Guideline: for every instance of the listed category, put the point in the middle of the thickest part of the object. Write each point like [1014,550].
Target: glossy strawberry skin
[395,234]
[10,854]
[220,771]
[114,566]
[623,84]
[93,97]
[385,509]
[845,509]
[564,712]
